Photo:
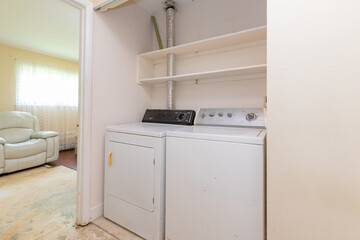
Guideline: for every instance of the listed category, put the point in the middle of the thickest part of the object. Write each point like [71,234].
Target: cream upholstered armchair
[22,144]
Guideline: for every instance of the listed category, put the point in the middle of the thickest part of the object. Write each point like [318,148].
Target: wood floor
[67,158]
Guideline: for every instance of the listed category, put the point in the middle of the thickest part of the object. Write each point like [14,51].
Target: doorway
[83,174]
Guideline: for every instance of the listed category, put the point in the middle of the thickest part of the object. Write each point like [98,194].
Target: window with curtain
[50,93]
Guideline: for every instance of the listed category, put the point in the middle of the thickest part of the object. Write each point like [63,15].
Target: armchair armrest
[44,134]
[2,141]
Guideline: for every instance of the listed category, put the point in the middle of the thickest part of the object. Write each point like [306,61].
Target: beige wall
[313,120]
[8,56]
[203,19]
[119,35]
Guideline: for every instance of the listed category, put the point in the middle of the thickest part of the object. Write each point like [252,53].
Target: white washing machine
[135,172]
[215,177]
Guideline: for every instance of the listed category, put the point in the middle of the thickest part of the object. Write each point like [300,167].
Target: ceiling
[46,26]
[50,27]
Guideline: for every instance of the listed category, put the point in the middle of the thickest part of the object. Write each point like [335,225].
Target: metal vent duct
[169,7]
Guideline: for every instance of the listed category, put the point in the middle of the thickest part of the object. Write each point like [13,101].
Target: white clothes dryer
[215,177]
[134,190]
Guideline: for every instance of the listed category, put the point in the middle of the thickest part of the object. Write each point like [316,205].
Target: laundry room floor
[40,203]
[115,230]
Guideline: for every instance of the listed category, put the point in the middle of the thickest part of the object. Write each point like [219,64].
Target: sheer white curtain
[50,93]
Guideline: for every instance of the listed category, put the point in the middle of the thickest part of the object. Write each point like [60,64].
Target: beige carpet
[40,203]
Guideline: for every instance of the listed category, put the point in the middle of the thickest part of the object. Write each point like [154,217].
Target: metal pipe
[170,23]
[170,41]
[170,83]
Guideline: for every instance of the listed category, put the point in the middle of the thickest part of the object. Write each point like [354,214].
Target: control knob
[229,115]
[220,114]
[211,114]
[251,116]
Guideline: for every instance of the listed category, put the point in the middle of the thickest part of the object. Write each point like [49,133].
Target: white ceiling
[47,26]
[50,27]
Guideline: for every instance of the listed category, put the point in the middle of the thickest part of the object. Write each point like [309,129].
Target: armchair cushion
[44,134]
[2,141]
[16,135]
[16,119]
[24,149]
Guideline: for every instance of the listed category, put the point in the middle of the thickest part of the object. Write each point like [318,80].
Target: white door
[131,174]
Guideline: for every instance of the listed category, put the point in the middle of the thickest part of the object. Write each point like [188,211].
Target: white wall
[313,120]
[119,35]
[201,19]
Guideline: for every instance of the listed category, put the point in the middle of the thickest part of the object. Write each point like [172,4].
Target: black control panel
[180,117]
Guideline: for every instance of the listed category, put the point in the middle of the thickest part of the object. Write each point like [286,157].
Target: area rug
[40,203]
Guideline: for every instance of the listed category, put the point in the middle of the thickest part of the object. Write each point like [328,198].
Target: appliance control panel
[235,117]
[179,117]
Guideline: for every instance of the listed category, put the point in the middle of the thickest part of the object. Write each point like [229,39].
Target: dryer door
[131,174]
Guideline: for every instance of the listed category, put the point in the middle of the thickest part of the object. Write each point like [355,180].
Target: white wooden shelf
[233,54]
[251,35]
[209,75]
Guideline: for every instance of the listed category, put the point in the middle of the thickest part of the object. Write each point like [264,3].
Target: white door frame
[84,143]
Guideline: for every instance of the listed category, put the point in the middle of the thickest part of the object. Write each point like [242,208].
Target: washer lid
[144,129]
[227,134]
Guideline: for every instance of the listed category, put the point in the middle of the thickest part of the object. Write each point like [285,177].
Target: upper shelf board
[249,35]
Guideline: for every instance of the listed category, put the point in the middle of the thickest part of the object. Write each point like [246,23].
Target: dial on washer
[251,116]
[181,116]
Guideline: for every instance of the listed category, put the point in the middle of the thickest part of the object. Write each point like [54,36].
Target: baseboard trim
[96,211]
